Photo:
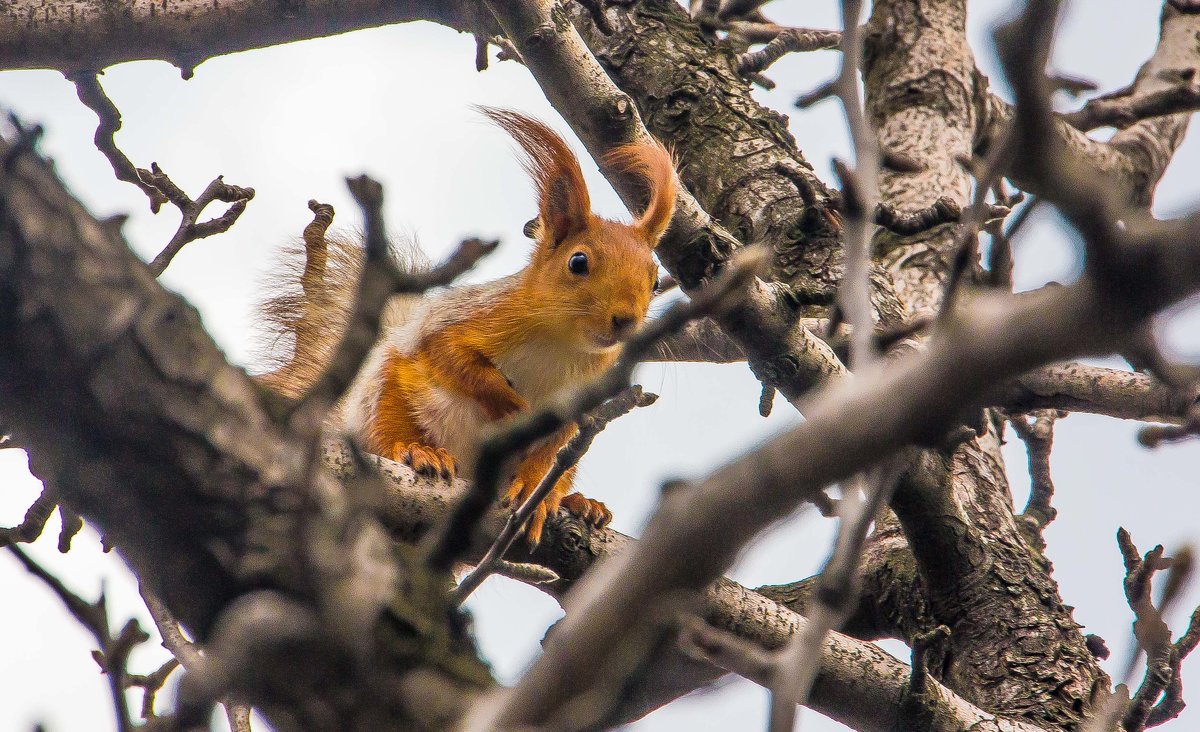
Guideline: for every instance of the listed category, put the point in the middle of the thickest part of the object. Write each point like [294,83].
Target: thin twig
[449,540]
[168,629]
[72,524]
[819,94]
[190,228]
[87,87]
[188,655]
[568,456]
[380,279]
[791,40]
[1150,630]
[945,210]
[154,183]
[33,523]
[114,651]
[1038,437]
[152,683]
[836,596]
[966,247]
[838,583]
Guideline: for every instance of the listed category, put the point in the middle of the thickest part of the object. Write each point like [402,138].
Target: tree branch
[858,684]
[187,32]
[695,248]
[130,411]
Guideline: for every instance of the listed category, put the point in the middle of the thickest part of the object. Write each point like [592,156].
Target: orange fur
[656,166]
[478,354]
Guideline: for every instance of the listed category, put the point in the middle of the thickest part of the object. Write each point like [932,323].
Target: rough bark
[858,684]
[89,35]
[128,408]
[971,570]
[983,581]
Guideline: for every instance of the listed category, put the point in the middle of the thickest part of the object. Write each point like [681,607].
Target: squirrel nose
[622,324]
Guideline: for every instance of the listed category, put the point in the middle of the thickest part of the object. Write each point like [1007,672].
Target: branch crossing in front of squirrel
[448,364]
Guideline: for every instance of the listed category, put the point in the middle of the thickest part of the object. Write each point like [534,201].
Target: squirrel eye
[578,263]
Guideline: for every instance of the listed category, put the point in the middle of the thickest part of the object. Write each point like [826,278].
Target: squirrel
[448,364]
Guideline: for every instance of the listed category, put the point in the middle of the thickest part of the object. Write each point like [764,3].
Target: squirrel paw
[519,492]
[590,511]
[426,460]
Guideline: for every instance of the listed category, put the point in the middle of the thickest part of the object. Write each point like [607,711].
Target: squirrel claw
[518,493]
[590,511]
[427,461]
[537,522]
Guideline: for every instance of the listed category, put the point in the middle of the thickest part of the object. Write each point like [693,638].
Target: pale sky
[294,121]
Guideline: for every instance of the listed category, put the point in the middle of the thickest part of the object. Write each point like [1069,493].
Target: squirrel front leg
[469,372]
[529,475]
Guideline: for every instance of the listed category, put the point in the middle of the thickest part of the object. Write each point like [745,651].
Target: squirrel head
[590,280]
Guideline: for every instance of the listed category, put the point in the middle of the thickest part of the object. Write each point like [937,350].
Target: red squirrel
[448,364]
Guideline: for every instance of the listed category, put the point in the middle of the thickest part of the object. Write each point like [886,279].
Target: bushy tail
[308,296]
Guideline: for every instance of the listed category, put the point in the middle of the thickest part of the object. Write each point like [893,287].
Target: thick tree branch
[129,409]
[994,337]
[695,248]
[1137,156]
[34,35]
[858,684]
[1077,387]
[1125,111]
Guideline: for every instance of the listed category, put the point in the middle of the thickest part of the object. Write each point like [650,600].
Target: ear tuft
[563,204]
[654,164]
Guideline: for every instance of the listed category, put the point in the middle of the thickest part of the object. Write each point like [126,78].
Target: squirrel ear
[654,164]
[563,204]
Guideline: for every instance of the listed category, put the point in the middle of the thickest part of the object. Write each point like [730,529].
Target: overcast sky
[293,121]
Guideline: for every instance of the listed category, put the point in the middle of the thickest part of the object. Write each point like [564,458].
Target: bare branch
[87,87]
[114,651]
[191,31]
[571,549]
[72,524]
[154,183]
[168,629]
[187,655]
[568,456]
[1079,388]
[380,279]
[34,521]
[790,40]
[819,94]
[151,684]
[1126,111]
[190,229]
[942,211]
[1038,437]
[1163,658]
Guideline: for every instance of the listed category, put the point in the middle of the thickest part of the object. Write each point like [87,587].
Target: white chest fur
[458,424]
[537,371]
